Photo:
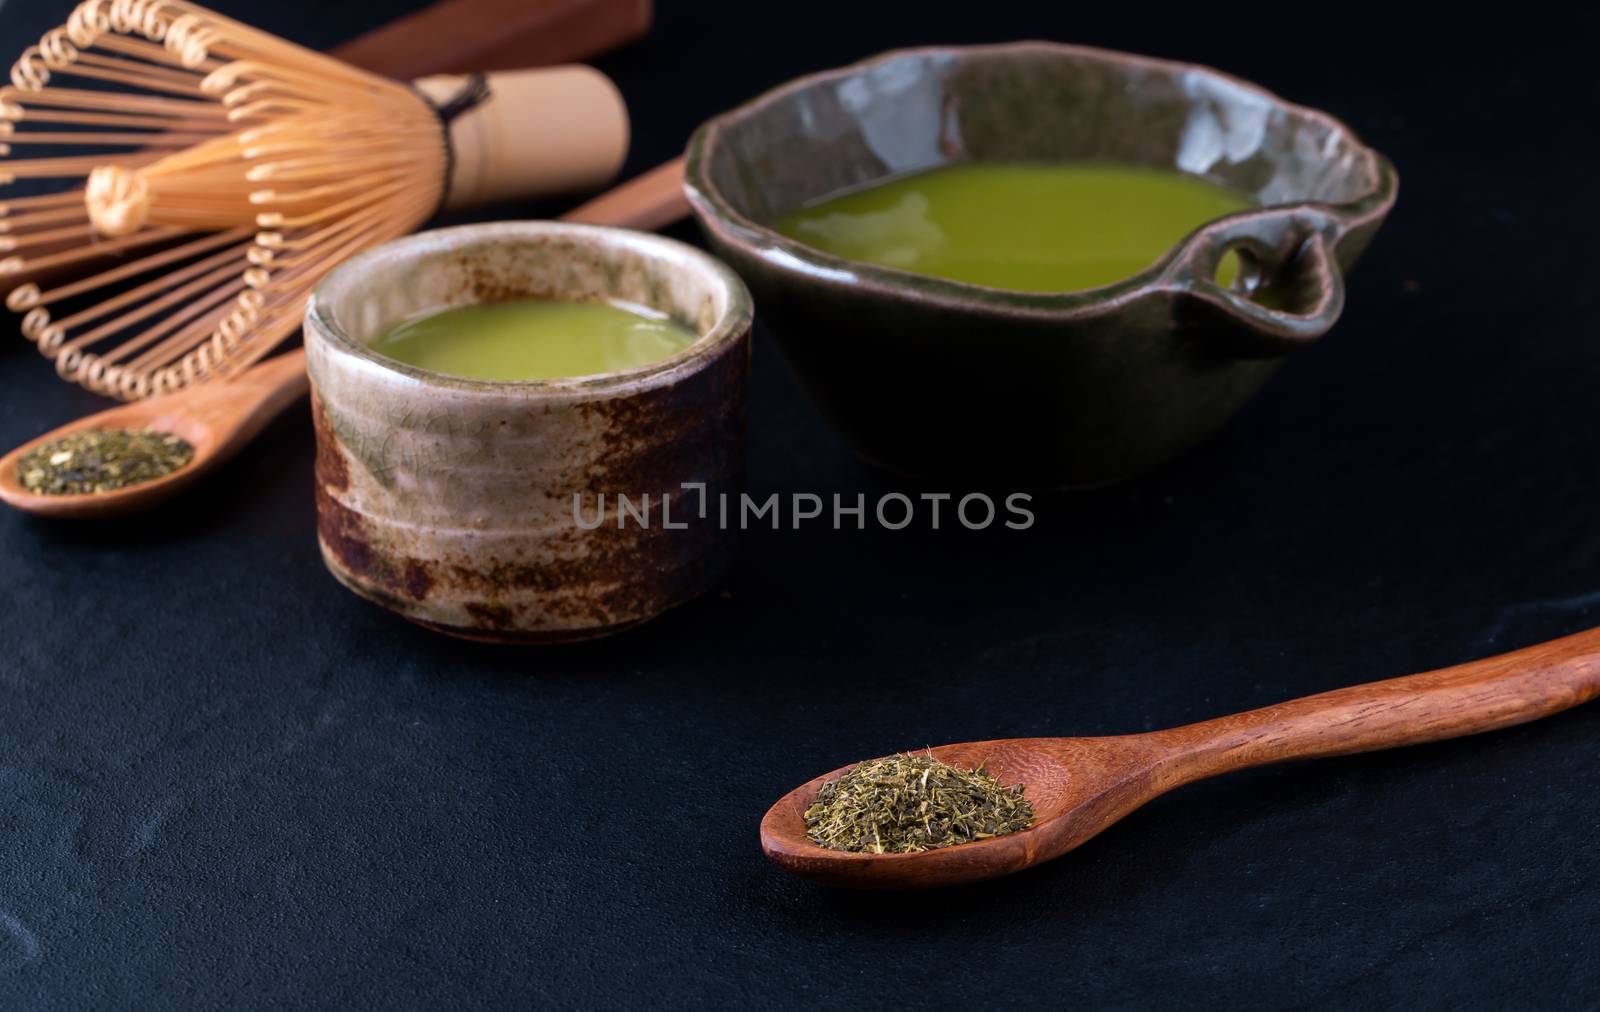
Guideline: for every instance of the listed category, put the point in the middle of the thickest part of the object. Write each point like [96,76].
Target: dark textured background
[225,781]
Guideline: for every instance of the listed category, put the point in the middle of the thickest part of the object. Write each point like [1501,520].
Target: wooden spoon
[1079,786]
[218,419]
[648,201]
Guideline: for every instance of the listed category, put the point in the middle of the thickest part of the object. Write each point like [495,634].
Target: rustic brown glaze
[1080,786]
[451,500]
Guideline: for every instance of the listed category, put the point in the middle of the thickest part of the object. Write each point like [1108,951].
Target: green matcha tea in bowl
[534,339]
[1032,263]
[519,425]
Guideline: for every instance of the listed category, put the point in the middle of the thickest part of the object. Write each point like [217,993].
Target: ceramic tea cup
[953,380]
[474,506]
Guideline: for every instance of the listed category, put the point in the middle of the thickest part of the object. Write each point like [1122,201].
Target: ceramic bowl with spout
[946,379]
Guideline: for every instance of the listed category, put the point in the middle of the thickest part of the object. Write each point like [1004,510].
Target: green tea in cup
[534,339]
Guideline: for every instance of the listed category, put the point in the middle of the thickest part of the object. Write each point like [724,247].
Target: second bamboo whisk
[214,172]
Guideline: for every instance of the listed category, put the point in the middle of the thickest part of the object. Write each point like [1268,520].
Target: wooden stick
[457,36]
[649,201]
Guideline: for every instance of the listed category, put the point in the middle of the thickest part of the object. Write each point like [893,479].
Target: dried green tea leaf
[101,460]
[908,803]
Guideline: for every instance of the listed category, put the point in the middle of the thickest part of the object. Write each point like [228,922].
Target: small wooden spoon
[1079,786]
[218,419]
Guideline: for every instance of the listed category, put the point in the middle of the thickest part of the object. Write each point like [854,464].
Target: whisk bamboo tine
[358,185]
[251,166]
[185,339]
[145,81]
[32,240]
[283,326]
[72,198]
[129,121]
[193,324]
[211,359]
[79,254]
[68,167]
[110,101]
[110,139]
[154,61]
[135,72]
[310,80]
[150,51]
[145,293]
[33,219]
[300,278]
[277,219]
[173,347]
[370,234]
[144,265]
[268,246]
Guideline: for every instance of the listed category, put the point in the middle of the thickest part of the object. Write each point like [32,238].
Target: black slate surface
[226,782]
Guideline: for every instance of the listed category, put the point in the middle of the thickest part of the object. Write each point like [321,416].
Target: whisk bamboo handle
[554,130]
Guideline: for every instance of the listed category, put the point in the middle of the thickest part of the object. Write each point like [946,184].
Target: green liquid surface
[534,340]
[1030,228]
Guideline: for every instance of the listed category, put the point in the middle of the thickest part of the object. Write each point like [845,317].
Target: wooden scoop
[1079,786]
[218,419]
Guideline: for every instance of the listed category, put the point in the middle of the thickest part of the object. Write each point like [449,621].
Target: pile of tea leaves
[101,460]
[907,803]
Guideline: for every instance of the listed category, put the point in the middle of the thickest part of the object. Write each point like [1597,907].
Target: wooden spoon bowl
[217,419]
[1071,782]
[1079,786]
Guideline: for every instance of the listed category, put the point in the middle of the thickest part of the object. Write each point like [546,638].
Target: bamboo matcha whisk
[214,172]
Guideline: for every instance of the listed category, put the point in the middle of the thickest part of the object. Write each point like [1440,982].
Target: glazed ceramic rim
[769,245]
[729,326]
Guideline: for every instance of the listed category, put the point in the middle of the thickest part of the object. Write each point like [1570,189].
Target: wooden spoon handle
[456,36]
[1480,696]
[273,386]
[649,201]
